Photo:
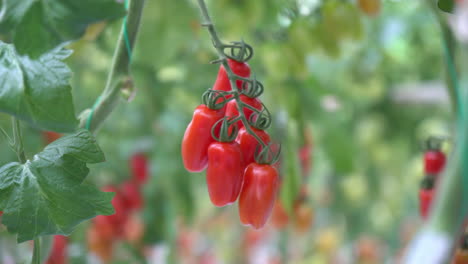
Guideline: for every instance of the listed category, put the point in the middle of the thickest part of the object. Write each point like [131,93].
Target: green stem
[232,77]
[18,140]
[119,73]
[36,259]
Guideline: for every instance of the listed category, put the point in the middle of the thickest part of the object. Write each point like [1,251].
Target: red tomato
[434,161]
[425,200]
[119,218]
[224,174]
[248,143]
[139,167]
[58,254]
[279,217]
[305,159]
[258,194]
[232,111]
[222,81]
[132,195]
[197,138]
[50,136]
[460,257]
[104,227]
[101,247]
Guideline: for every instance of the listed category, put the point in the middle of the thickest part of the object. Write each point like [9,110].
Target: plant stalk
[119,74]
[36,259]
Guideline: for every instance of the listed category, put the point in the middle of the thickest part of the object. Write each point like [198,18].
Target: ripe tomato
[132,195]
[197,138]
[119,218]
[222,81]
[58,254]
[279,217]
[139,167]
[369,7]
[434,161]
[248,143]
[258,194]
[105,228]
[460,257]
[232,111]
[50,136]
[101,247]
[224,174]
[425,200]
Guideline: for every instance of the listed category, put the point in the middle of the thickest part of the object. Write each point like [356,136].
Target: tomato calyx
[215,99]
[238,51]
[268,155]
[251,87]
[427,183]
[260,120]
[228,131]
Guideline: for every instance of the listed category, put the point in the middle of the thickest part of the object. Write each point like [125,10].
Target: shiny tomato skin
[139,168]
[434,161]
[425,201]
[222,81]
[258,194]
[224,174]
[232,111]
[58,254]
[197,138]
[248,143]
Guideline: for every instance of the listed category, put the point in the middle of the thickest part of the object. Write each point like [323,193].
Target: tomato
[434,161]
[101,247]
[119,218]
[279,217]
[50,136]
[248,143]
[139,168]
[460,257]
[232,111]
[132,195]
[303,217]
[104,227]
[58,254]
[224,174]
[425,200]
[369,7]
[197,138]
[258,194]
[305,159]
[222,81]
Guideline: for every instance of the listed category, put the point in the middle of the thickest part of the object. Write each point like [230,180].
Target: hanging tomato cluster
[227,137]
[434,163]
[106,229]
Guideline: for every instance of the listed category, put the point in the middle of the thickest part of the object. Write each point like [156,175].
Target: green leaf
[446,5]
[37,90]
[47,195]
[42,25]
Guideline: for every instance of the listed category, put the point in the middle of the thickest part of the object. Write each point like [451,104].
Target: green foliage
[42,25]
[37,90]
[40,197]
[446,5]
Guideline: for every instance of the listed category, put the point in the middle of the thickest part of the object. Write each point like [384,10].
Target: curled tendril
[267,155]
[215,99]
[225,133]
[239,51]
[251,87]
[261,120]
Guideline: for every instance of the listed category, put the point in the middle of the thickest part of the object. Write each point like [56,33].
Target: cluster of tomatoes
[236,151]
[123,224]
[434,163]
